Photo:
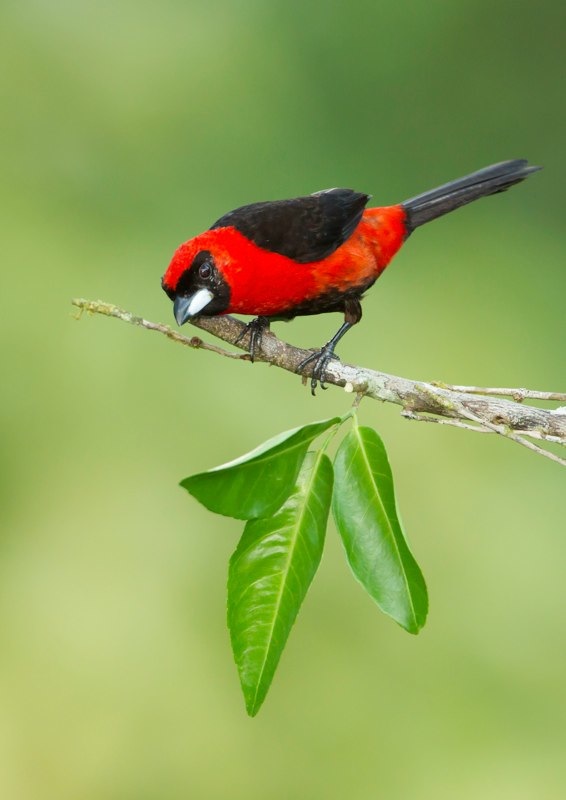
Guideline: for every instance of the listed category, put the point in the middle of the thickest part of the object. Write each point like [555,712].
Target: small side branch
[488,409]
[518,395]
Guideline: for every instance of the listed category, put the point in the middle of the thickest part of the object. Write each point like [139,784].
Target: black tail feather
[435,203]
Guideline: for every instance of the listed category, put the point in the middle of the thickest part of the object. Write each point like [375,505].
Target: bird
[314,254]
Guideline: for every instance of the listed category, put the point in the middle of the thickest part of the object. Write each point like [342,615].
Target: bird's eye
[204,270]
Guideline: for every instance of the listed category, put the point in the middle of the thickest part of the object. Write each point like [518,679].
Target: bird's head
[194,280]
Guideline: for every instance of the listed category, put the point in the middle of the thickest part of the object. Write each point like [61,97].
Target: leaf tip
[253,700]
[415,625]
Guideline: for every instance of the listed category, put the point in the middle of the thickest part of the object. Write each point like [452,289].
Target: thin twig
[456,423]
[109,310]
[509,434]
[408,414]
[518,395]
[452,405]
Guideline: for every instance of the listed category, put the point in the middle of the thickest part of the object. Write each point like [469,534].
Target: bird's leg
[322,357]
[256,328]
[352,315]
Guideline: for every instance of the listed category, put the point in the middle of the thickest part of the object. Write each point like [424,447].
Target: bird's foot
[256,328]
[321,358]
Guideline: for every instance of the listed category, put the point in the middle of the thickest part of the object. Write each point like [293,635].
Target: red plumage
[264,283]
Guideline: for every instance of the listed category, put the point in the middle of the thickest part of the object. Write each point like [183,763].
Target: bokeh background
[128,127]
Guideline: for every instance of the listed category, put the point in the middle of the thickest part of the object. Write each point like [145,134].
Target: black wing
[305,228]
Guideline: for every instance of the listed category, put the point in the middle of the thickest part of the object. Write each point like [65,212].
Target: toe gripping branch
[256,328]
[319,358]
[322,357]
[352,314]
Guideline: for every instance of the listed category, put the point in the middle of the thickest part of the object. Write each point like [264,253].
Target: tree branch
[486,408]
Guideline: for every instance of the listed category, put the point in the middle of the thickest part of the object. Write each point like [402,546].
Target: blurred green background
[129,127]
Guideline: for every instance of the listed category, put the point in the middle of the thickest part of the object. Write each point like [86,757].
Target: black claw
[321,358]
[256,328]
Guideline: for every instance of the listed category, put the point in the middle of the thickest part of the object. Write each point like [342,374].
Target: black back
[306,228]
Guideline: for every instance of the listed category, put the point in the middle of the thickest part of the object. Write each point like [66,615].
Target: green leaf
[366,516]
[270,573]
[257,484]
